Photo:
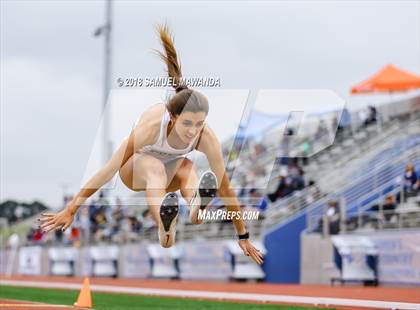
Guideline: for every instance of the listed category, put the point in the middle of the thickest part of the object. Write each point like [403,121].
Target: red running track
[392,294]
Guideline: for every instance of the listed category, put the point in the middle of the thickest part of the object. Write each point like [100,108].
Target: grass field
[105,301]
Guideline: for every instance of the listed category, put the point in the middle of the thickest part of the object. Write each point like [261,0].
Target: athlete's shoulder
[154,113]
[209,134]
[207,140]
[149,122]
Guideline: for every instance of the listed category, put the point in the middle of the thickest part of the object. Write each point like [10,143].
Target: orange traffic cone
[85,299]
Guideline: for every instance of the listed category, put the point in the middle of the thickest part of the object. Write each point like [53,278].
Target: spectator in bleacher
[290,180]
[296,173]
[279,192]
[99,224]
[371,117]
[35,235]
[410,178]
[389,207]
[288,186]
[410,182]
[74,235]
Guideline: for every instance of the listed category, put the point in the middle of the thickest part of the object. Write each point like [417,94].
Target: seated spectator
[74,235]
[35,235]
[371,117]
[410,183]
[293,168]
[288,186]
[389,207]
[296,173]
[99,225]
[279,192]
[290,181]
[136,225]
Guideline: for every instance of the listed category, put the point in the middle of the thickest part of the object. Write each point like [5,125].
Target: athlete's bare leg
[144,172]
[184,177]
[197,192]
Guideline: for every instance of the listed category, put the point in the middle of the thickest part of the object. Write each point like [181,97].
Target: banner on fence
[30,260]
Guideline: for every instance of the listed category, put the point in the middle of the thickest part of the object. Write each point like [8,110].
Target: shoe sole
[169,210]
[207,188]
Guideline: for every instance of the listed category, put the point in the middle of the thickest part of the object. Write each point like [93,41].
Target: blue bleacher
[388,154]
[376,178]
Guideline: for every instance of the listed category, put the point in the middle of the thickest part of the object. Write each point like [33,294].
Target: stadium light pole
[106,31]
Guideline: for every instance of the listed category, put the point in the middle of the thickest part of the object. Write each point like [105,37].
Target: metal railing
[289,206]
[405,216]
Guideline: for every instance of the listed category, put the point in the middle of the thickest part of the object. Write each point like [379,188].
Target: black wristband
[245,236]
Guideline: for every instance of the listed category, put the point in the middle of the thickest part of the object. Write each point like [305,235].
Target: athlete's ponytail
[185,99]
[170,57]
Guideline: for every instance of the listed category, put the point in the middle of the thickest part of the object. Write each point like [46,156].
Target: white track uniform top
[161,149]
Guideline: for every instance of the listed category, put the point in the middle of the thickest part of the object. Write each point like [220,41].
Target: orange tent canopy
[389,79]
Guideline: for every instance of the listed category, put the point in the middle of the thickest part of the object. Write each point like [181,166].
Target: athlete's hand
[250,250]
[53,221]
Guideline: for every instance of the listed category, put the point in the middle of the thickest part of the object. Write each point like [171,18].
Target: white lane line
[318,301]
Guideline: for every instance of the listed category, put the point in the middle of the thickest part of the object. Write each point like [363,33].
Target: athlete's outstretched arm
[64,218]
[211,147]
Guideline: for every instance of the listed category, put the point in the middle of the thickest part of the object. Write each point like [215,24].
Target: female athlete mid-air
[153,159]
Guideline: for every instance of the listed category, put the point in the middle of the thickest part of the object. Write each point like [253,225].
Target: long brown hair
[185,99]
